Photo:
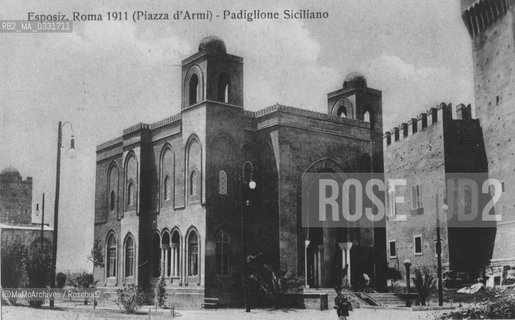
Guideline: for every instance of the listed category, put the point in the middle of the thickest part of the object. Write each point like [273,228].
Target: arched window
[156,255]
[366,116]
[193,254]
[223,87]
[129,257]
[166,188]
[194,89]
[193,183]
[222,182]
[112,201]
[111,256]
[223,253]
[130,194]
[165,247]
[342,112]
[175,252]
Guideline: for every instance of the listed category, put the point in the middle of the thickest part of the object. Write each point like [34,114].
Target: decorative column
[345,247]
[162,261]
[320,258]
[306,245]
[165,272]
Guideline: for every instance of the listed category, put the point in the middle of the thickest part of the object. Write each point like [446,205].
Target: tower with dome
[15,197]
[174,197]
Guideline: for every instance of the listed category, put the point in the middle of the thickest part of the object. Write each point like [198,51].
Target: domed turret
[354,80]
[212,43]
[10,171]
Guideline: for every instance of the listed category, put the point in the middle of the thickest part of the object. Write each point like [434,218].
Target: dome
[212,43]
[10,171]
[354,80]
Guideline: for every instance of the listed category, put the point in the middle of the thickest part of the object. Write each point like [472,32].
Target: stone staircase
[210,303]
[383,299]
[331,294]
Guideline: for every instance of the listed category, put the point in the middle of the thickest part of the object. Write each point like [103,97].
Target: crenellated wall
[478,15]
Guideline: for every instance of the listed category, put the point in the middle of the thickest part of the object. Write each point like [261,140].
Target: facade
[16,213]
[15,197]
[173,197]
[491,27]
[427,151]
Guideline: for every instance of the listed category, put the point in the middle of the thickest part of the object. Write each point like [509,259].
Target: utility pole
[439,252]
[42,220]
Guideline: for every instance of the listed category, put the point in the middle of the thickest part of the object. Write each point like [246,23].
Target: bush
[60,280]
[130,298]
[38,264]
[161,292]
[424,282]
[13,269]
[502,307]
[84,281]
[393,275]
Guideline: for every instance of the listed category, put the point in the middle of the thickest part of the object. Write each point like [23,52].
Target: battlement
[435,115]
[478,15]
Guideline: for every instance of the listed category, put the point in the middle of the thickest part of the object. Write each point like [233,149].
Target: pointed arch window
[111,256]
[223,87]
[129,257]
[112,201]
[194,89]
[166,188]
[193,254]
[130,194]
[342,112]
[366,116]
[222,183]
[175,254]
[223,253]
[193,183]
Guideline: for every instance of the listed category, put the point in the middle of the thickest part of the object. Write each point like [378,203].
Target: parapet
[439,113]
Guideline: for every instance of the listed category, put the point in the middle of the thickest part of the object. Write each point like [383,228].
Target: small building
[173,197]
[427,152]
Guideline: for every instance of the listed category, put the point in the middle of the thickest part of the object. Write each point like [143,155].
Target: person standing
[341,304]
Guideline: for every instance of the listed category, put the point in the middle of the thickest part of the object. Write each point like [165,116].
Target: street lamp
[407,265]
[251,184]
[71,153]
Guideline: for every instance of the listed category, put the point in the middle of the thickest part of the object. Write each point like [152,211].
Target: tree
[97,255]
[60,280]
[84,281]
[13,268]
[38,265]
[161,292]
[424,282]
[393,275]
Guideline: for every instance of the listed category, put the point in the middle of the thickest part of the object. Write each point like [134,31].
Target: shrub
[393,275]
[84,281]
[502,307]
[424,282]
[161,292]
[60,280]
[130,298]
[97,255]
[13,270]
[38,264]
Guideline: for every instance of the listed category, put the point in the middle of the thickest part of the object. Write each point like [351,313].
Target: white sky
[106,76]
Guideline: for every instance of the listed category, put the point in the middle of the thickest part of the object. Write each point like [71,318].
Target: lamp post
[439,249]
[407,265]
[251,185]
[56,202]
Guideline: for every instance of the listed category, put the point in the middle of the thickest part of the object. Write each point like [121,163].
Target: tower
[491,28]
[212,75]
[356,101]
